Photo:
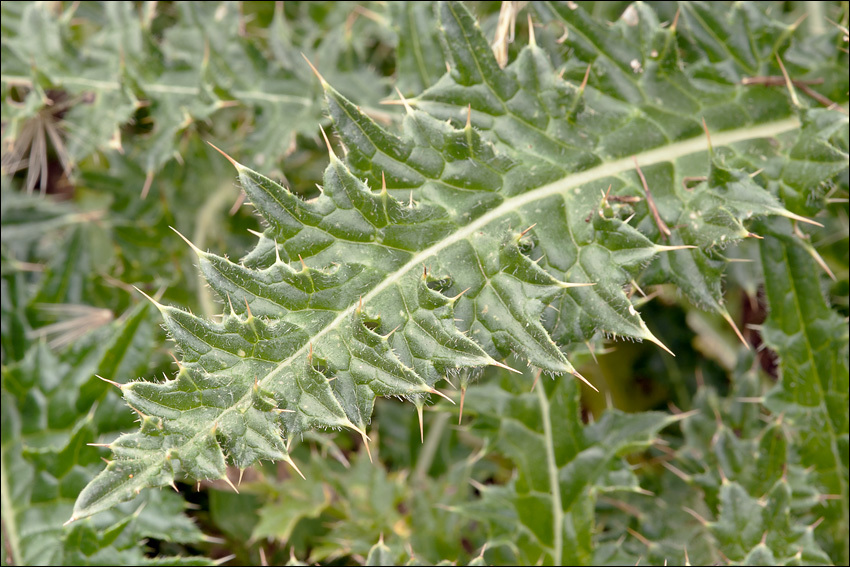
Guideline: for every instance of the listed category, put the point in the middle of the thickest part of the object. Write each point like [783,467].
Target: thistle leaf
[507,217]
[562,467]
[812,343]
[53,411]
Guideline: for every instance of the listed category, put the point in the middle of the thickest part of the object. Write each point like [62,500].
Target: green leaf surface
[751,531]
[734,490]
[485,228]
[562,467]
[812,343]
[420,63]
[380,554]
[53,408]
[278,519]
[139,79]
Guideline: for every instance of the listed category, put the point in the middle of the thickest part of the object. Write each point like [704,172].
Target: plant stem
[429,449]
[815,17]
[554,485]
[205,221]
[10,532]
[157,88]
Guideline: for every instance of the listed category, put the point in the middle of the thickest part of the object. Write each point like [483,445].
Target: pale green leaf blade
[420,63]
[53,409]
[812,343]
[494,234]
[543,435]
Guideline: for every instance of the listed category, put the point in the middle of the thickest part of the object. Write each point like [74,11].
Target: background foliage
[722,454]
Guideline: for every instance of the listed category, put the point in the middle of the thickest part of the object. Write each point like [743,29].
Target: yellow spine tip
[315,71]
[328,143]
[439,393]
[585,380]
[233,162]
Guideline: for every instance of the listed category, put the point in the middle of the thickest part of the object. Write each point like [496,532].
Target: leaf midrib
[658,155]
[651,157]
[421,67]
[158,88]
[834,451]
[10,520]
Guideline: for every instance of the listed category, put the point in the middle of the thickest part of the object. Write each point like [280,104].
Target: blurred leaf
[812,343]
[420,62]
[543,435]
[53,408]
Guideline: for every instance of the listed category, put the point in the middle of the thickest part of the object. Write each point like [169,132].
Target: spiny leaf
[163,70]
[420,63]
[732,491]
[812,343]
[562,467]
[661,80]
[495,207]
[380,554]
[53,410]
[748,529]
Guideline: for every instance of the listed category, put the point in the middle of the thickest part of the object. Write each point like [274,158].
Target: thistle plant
[516,215]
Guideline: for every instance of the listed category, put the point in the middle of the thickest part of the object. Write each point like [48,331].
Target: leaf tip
[494,362]
[707,136]
[419,406]
[224,559]
[232,161]
[328,143]
[197,250]
[403,100]
[315,71]
[807,246]
[696,515]
[366,444]
[728,318]
[663,248]
[585,79]
[792,216]
[458,296]
[439,393]
[659,222]
[653,339]
[679,473]
[156,303]
[684,415]
[788,82]
[585,380]
[292,464]
[362,436]
[592,351]
[230,483]
[524,232]
[108,381]
[147,186]
[70,521]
